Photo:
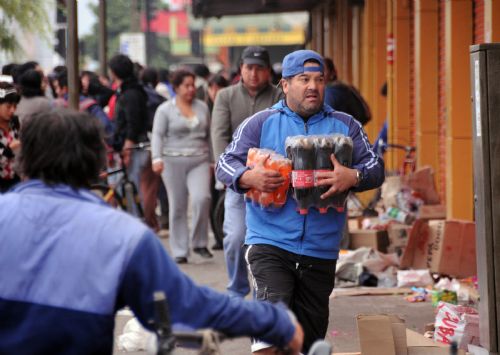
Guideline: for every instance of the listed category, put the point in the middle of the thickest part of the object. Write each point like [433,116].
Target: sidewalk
[342,332]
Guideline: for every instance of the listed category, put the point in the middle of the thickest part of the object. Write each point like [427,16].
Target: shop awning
[218,8]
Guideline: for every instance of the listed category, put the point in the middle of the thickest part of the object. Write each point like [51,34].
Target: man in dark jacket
[344,97]
[131,117]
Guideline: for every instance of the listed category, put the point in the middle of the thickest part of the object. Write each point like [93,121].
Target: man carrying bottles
[292,257]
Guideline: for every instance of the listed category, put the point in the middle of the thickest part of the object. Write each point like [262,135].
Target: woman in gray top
[180,152]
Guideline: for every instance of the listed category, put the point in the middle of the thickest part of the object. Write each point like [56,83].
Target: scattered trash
[135,337]
[456,323]
[418,278]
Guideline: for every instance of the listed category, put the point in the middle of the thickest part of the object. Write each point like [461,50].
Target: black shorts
[303,283]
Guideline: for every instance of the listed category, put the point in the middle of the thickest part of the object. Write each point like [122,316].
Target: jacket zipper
[305,127]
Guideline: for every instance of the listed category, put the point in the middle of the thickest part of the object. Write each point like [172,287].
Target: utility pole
[148,32]
[72,55]
[103,38]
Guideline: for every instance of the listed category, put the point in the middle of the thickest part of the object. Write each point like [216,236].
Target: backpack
[154,100]
[352,102]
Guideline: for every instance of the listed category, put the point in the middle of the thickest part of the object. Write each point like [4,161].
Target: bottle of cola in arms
[343,154]
[323,148]
[301,151]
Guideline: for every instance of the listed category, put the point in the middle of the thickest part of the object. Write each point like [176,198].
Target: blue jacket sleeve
[231,164]
[150,269]
[108,124]
[365,160]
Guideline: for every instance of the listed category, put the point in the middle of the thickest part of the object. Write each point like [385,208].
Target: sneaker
[217,246]
[181,260]
[203,252]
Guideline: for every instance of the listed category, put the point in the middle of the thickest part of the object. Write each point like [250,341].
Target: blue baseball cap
[293,63]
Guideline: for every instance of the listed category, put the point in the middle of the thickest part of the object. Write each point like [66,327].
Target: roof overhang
[218,8]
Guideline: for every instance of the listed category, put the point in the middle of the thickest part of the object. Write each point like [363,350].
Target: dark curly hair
[179,75]
[62,146]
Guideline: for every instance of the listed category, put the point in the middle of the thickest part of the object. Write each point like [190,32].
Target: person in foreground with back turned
[69,261]
[292,257]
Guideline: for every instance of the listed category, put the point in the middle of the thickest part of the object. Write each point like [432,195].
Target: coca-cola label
[316,177]
[303,178]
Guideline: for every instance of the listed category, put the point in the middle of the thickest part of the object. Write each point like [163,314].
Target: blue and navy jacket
[68,262]
[317,235]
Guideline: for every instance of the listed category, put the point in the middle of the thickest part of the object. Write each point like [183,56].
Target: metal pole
[103,38]
[72,55]
[148,33]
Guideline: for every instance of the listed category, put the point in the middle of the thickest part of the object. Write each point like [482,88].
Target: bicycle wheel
[108,194]
[130,199]
[217,218]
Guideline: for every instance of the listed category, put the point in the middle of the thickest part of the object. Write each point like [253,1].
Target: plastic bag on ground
[418,278]
[456,323]
[135,337]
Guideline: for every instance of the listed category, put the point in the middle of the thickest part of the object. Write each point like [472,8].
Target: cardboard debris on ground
[369,291]
[422,182]
[376,239]
[398,235]
[387,334]
[444,247]
[432,212]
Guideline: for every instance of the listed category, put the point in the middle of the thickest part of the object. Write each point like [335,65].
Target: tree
[119,14]
[30,16]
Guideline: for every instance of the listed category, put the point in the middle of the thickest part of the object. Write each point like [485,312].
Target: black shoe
[181,260]
[203,252]
[217,246]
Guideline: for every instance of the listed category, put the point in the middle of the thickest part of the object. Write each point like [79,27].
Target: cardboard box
[370,238]
[445,247]
[453,248]
[354,223]
[422,182]
[416,251]
[432,212]
[398,235]
[387,334]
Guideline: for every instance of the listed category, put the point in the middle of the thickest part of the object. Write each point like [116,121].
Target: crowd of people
[198,124]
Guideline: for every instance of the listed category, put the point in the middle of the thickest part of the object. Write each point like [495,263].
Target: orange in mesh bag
[272,161]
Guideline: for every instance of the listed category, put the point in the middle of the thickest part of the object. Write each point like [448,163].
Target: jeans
[138,162]
[301,282]
[234,228]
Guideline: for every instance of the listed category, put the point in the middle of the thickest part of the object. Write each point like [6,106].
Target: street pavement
[341,332]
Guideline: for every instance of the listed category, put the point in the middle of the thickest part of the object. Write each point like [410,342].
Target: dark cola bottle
[301,151]
[343,154]
[323,149]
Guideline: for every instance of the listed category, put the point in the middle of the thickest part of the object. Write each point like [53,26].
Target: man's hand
[260,178]
[293,347]
[340,179]
[157,167]
[127,152]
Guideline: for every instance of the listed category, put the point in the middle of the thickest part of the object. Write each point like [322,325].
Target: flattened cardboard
[375,335]
[432,212]
[398,235]
[370,238]
[370,291]
[452,248]
[416,251]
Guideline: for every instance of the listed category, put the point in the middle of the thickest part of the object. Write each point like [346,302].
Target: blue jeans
[234,228]
[138,162]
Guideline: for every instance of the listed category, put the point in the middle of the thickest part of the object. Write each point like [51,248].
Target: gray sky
[85,17]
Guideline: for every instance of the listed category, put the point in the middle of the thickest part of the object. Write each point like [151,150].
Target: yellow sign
[273,38]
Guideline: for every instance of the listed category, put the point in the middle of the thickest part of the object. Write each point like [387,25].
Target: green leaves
[18,16]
